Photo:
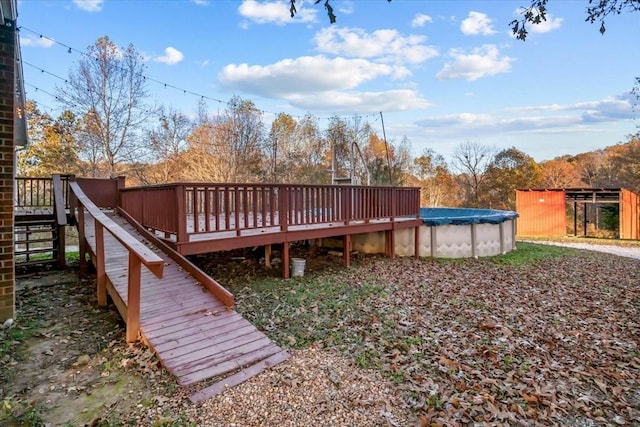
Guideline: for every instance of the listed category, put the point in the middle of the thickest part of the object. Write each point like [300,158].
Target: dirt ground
[65,360]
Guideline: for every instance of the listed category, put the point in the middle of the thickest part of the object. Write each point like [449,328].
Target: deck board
[194,335]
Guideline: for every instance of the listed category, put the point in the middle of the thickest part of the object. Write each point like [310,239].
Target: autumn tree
[107,91]
[509,170]
[438,186]
[281,149]
[589,167]
[625,164]
[52,145]
[470,161]
[559,173]
[389,163]
[341,136]
[313,153]
[227,147]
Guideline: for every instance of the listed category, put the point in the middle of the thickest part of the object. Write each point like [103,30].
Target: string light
[71,49]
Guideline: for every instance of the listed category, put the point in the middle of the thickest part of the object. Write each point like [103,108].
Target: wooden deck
[182,314]
[195,336]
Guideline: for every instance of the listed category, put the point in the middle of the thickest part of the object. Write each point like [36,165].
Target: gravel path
[315,387]
[625,251]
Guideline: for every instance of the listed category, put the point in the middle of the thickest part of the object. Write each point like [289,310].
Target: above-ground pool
[447,233]
[460,233]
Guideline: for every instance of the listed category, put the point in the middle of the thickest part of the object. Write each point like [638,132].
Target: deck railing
[185,209]
[33,193]
[139,254]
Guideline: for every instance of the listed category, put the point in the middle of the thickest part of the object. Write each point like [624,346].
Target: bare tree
[471,161]
[167,141]
[107,90]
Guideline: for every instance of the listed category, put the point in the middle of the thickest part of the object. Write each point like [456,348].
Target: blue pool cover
[464,216]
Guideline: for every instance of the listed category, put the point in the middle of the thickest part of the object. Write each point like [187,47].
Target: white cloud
[610,108]
[550,24]
[89,5]
[360,102]
[548,119]
[201,2]
[477,23]
[36,41]
[385,45]
[307,74]
[481,62]
[275,12]
[420,19]
[171,56]
[346,7]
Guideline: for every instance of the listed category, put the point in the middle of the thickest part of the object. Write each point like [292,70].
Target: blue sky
[441,72]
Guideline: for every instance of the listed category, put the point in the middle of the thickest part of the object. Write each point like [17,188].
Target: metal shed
[543,212]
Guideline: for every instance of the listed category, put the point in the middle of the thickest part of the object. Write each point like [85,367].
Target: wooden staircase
[36,240]
[39,223]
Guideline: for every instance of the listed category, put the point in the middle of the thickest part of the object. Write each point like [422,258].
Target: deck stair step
[36,239]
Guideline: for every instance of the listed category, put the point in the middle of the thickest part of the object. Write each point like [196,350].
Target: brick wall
[7,99]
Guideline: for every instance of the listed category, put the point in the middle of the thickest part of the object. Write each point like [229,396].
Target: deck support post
[416,242]
[392,241]
[101,276]
[267,256]
[82,242]
[346,243]
[133,298]
[285,260]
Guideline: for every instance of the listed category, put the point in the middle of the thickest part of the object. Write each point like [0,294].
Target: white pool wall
[458,241]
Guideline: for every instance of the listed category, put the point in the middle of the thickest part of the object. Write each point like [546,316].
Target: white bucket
[297,267]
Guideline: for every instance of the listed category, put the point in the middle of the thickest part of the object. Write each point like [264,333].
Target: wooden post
[236,208]
[283,208]
[62,262]
[120,184]
[82,243]
[61,219]
[346,250]
[133,299]
[101,276]
[180,211]
[285,260]
[416,242]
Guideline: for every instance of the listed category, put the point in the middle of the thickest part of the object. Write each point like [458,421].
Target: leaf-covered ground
[544,336]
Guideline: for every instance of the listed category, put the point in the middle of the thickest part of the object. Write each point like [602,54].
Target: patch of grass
[14,413]
[529,253]
[299,312]
[588,240]
[73,256]
[12,344]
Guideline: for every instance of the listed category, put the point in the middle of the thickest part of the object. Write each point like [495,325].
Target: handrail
[205,280]
[138,254]
[58,201]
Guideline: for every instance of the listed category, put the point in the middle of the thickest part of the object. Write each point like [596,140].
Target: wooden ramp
[195,336]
